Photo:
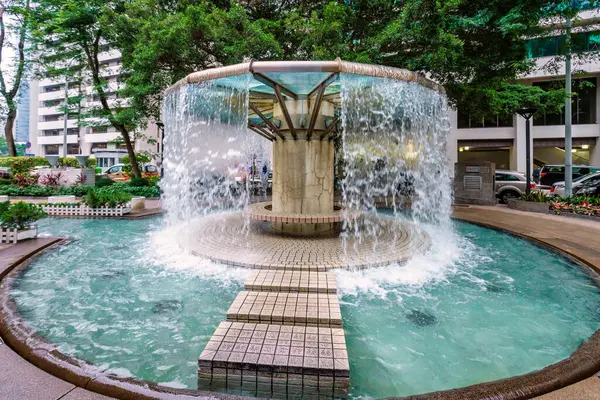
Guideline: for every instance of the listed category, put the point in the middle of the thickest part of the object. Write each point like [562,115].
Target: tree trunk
[8,133]
[135,168]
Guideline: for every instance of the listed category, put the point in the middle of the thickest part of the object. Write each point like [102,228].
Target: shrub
[141,158]
[139,182]
[50,179]
[68,162]
[4,181]
[146,191]
[20,215]
[95,199]
[25,179]
[91,163]
[102,182]
[4,206]
[22,164]
[536,196]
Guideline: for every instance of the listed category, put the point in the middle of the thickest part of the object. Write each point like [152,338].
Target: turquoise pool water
[481,306]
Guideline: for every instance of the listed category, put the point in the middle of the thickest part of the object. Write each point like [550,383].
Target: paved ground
[580,238]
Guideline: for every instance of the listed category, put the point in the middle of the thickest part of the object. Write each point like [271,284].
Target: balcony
[101,137]
[49,125]
[42,140]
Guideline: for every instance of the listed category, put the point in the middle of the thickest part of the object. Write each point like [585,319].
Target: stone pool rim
[21,337]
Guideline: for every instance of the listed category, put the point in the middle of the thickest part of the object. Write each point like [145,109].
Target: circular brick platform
[231,239]
[262,212]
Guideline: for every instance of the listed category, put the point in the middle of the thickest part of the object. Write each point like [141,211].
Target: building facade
[501,139]
[22,123]
[101,140]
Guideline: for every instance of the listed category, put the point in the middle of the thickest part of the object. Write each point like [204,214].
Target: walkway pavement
[580,238]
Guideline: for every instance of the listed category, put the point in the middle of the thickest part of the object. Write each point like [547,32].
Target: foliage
[51,179]
[145,191]
[91,163]
[68,162]
[25,179]
[536,196]
[97,198]
[102,182]
[78,191]
[4,206]
[140,158]
[152,179]
[584,205]
[20,215]
[139,182]
[4,181]
[20,147]
[22,164]
[81,179]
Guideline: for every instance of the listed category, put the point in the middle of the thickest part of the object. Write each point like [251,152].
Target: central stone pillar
[303,167]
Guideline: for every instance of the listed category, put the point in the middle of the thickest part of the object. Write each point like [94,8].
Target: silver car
[510,185]
[558,188]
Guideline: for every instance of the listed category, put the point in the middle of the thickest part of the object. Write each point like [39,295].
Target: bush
[4,206]
[102,182]
[536,196]
[91,163]
[139,182]
[5,181]
[79,191]
[68,162]
[145,191]
[20,215]
[141,158]
[22,164]
[95,199]
[25,179]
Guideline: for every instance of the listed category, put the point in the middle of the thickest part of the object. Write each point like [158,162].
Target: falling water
[208,148]
[394,149]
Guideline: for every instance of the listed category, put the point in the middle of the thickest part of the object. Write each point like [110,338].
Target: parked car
[510,185]
[590,189]
[558,188]
[117,174]
[551,174]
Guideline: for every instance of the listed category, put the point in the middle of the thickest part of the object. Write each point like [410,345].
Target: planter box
[77,210]
[3,199]
[138,203]
[530,206]
[62,199]
[8,235]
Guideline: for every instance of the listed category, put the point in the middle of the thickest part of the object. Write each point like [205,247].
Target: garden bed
[529,206]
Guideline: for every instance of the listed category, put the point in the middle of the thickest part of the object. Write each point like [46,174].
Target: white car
[558,188]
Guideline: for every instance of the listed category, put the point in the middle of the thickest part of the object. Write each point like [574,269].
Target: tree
[14,21]
[71,37]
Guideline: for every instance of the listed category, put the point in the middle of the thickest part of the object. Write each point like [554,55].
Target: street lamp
[161,130]
[527,113]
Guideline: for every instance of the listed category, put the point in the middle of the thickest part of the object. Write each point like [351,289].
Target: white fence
[84,211]
[8,235]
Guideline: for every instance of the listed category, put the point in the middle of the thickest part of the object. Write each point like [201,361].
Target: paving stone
[82,394]
[291,281]
[312,309]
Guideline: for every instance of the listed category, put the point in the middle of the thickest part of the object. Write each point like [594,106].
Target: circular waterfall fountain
[225,125]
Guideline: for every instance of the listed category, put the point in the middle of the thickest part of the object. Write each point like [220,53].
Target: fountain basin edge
[22,338]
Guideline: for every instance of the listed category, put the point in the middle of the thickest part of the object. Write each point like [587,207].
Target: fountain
[388,126]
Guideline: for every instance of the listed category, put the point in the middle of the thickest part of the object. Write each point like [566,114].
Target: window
[52,118]
[99,146]
[506,177]
[113,170]
[100,129]
[496,121]
[73,148]
[52,103]
[54,88]
[51,149]
[555,45]
[584,103]
[51,132]
[73,131]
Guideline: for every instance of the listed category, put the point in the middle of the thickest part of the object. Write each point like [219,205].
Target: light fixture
[573,150]
[467,147]
[461,149]
[585,146]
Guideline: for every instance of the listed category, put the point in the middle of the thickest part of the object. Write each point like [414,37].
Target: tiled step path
[282,339]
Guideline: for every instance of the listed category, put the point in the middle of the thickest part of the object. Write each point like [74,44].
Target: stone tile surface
[291,281]
[20,380]
[311,309]
[82,394]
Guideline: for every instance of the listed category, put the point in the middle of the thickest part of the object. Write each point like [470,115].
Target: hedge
[22,164]
[79,191]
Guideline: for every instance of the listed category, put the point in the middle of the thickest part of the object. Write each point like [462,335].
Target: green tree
[14,23]
[70,36]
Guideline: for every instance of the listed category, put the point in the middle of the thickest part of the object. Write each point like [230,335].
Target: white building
[502,139]
[47,98]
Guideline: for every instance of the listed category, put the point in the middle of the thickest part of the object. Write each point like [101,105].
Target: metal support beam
[267,121]
[284,109]
[315,112]
[271,83]
[325,82]
[331,127]
[262,95]
[261,133]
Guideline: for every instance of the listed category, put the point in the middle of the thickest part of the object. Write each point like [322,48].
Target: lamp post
[527,113]
[161,132]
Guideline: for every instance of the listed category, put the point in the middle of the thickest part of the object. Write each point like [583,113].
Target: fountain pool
[468,311]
